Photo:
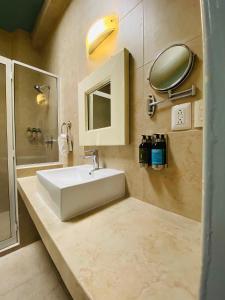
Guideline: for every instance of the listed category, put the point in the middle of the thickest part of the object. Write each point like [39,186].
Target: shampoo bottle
[157,153]
[163,141]
[143,151]
[149,142]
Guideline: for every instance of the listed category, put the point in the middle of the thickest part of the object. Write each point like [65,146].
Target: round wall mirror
[171,67]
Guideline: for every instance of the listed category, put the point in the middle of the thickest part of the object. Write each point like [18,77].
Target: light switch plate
[181,117]
[198,113]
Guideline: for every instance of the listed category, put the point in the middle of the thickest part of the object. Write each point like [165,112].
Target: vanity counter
[129,250]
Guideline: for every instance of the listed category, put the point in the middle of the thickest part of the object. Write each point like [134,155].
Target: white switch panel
[181,116]
[198,113]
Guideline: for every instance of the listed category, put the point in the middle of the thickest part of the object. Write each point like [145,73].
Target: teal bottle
[157,153]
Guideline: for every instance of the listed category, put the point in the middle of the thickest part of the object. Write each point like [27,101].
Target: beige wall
[146,27]
[17,45]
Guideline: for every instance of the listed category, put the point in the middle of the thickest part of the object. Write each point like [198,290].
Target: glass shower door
[8,228]
[36,115]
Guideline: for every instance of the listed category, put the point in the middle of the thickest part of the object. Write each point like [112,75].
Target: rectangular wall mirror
[99,107]
[103,99]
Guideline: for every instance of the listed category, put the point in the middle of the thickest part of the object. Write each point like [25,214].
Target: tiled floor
[29,274]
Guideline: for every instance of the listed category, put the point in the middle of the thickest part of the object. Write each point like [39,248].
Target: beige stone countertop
[129,250]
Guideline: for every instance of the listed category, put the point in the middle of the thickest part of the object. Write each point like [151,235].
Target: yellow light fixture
[41,99]
[99,32]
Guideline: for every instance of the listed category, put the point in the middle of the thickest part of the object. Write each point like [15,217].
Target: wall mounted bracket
[182,94]
[153,103]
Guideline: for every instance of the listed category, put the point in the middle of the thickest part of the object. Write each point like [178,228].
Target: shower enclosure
[8,204]
[36,115]
[28,133]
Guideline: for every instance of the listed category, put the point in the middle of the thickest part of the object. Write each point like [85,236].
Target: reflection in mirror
[171,67]
[99,107]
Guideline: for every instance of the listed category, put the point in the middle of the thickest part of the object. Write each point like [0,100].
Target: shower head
[37,87]
[41,88]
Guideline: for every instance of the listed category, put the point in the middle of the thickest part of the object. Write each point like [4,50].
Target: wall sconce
[42,97]
[99,32]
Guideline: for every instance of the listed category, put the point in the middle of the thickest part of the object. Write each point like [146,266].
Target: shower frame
[13,204]
[58,81]
[9,64]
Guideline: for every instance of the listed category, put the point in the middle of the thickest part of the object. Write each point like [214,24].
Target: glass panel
[5,231]
[99,107]
[36,117]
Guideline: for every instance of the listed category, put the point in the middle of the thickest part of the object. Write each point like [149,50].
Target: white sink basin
[72,191]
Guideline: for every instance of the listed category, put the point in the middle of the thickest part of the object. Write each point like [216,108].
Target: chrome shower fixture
[41,88]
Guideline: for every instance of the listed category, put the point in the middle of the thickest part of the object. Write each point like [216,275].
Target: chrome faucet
[93,154]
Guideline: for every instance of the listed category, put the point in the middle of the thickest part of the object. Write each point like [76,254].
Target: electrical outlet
[198,113]
[181,117]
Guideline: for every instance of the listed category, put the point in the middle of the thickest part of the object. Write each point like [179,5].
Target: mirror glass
[171,67]
[99,107]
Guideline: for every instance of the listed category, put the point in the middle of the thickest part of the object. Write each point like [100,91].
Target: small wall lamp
[42,97]
[99,32]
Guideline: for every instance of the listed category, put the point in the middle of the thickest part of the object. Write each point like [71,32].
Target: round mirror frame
[182,78]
